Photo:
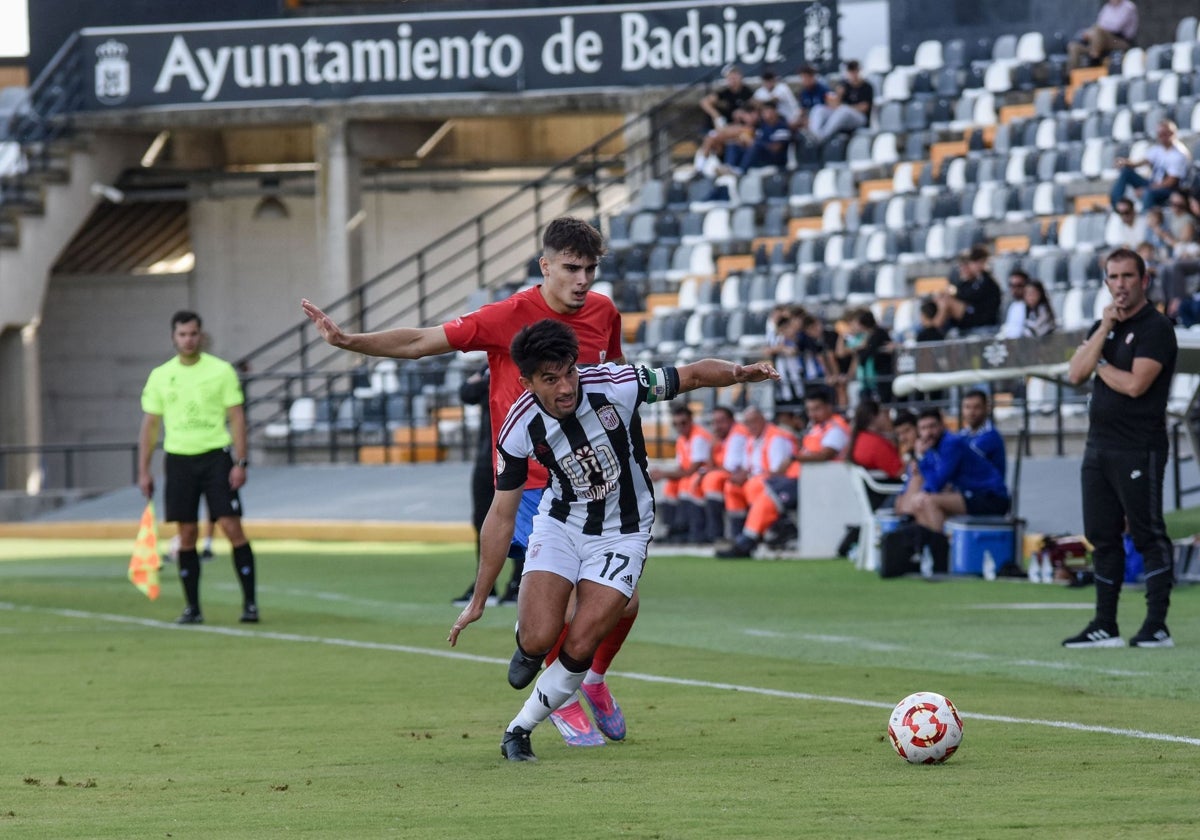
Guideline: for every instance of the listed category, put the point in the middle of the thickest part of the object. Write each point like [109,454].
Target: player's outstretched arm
[716,373]
[400,343]
[495,537]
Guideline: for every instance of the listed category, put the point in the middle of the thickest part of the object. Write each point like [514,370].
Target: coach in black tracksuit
[1132,351]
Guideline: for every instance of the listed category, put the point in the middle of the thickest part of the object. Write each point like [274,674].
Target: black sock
[243,566]
[189,576]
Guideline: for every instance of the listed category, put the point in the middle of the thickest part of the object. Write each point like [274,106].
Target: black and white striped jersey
[596,457]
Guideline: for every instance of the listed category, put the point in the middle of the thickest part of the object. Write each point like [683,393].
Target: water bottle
[989,566]
[1034,572]
[1047,568]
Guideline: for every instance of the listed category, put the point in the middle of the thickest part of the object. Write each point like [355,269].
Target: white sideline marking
[890,647]
[1033,606]
[651,678]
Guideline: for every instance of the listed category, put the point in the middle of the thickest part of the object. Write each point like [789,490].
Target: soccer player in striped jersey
[571,251]
[593,525]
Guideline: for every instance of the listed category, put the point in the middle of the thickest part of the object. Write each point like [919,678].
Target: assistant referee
[197,400]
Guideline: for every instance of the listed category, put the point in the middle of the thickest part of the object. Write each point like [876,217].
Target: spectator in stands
[709,160]
[816,346]
[873,362]
[904,427]
[974,300]
[812,94]
[730,452]
[871,444]
[1115,28]
[1168,159]
[1014,316]
[1039,314]
[773,89]
[826,439]
[952,479]
[1125,228]
[769,451]
[767,146]
[929,330]
[1177,228]
[978,431]
[847,109]
[681,506]
[786,353]
[719,105]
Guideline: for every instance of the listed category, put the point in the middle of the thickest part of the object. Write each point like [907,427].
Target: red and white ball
[925,728]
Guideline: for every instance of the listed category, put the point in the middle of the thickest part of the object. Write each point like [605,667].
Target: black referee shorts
[188,477]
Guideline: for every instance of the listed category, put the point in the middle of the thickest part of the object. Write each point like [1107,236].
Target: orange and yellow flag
[145,563]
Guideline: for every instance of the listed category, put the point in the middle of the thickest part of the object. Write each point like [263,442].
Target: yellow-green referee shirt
[192,401]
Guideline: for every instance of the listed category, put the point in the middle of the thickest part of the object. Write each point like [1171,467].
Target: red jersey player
[571,250]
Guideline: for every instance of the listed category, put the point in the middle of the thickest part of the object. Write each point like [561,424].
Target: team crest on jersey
[608,417]
[499,463]
[535,550]
[1129,339]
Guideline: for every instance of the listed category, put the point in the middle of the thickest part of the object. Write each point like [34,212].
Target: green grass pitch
[756,693]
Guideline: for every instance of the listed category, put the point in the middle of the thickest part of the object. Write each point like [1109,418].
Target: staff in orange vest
[826,438]
[769,453]
[730,441]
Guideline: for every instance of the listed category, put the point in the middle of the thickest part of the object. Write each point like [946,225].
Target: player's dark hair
[976,392]
[546,343]
[681,409]
[723,409]
[904,417]
[185,316]
[820,393]
[1127,254]
[573,235]
[931,411]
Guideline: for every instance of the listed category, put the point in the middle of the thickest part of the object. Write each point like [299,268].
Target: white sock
[553,687]
[592,678]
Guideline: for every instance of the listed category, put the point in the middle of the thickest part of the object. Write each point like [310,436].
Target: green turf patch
[757,696]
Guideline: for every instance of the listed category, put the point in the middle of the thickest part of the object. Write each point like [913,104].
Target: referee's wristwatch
[242,463]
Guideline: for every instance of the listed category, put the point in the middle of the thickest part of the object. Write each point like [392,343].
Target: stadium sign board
[386,56]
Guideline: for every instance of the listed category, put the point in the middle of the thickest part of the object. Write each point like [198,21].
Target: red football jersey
[491,328]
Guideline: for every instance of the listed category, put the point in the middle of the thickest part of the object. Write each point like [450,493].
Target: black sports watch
[243,463]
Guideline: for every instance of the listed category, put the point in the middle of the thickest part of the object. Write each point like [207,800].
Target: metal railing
[70,454]
[44,117]
[490,251]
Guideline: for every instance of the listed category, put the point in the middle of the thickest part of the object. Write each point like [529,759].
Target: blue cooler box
[971,541]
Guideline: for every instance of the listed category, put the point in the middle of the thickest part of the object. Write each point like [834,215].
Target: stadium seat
[1186,29]
[642,228]
[831,217]
[1031,48]
[998,78]
[743,225]
[1183,57]
[954,53]
[652,195]
[858,151]
[877,60]
[897,85]
[750,187]
[884,151]
[666,229]
[928,55]
[891,116]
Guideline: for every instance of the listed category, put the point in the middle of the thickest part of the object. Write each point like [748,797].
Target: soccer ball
[925,728]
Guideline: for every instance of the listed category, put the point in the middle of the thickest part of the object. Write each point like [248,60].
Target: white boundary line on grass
[651,678]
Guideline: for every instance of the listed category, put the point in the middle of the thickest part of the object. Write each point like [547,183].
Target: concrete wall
[101,335]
